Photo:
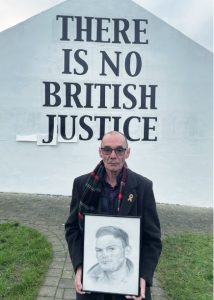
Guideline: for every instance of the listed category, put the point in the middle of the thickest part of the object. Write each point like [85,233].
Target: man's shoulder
[95,271]
[81,179]
[139,178]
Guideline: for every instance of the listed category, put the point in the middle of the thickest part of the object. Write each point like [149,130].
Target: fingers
[79,289]
[142,288]
[78,286]
[78,282]
[142,291]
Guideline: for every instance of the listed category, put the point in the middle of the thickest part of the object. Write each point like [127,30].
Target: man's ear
[127,153]
[100,153]
[128,250]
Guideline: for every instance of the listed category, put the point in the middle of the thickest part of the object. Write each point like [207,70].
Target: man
[113,189]
[112,251]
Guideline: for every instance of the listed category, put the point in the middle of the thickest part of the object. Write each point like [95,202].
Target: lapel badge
[130,198]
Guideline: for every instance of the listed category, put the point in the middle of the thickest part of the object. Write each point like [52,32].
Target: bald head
[120,135]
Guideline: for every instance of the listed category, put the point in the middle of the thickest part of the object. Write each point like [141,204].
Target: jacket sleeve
[150,235]
[73,234]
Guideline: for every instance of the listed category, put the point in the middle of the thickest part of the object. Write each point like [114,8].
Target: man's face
[110,253]
[114,162]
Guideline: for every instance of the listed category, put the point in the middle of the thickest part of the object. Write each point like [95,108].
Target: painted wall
[171,130]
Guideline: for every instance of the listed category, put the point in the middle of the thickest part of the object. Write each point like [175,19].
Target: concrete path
[48,214]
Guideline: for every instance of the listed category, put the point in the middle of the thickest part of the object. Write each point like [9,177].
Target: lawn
[24,258]
[186,267]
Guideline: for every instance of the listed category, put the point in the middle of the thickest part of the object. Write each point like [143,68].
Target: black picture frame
[111,256]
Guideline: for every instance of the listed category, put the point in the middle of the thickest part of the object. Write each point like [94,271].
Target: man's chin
[114,167]
[107,268]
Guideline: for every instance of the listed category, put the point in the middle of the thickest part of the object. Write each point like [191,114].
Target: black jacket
[142,204]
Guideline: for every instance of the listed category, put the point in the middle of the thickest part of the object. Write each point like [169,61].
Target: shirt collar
[119,177]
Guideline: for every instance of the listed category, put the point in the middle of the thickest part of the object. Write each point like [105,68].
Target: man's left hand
[142,291]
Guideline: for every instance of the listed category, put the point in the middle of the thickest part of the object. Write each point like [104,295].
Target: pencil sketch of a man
[112,248]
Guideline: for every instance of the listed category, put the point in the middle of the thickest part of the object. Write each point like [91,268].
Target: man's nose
[105,253]
[113,153]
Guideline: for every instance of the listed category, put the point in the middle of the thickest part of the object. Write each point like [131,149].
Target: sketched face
[110,253]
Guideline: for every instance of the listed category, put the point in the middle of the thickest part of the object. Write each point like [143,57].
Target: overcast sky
[192,17]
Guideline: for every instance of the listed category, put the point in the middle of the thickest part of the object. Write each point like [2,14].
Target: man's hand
[142,291]
[78,281]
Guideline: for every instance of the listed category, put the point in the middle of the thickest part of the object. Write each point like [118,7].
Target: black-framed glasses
[119,151]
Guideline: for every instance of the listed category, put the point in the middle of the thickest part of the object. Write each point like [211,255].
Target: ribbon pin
[130,197]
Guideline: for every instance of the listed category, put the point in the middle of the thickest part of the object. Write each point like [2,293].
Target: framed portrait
[111,254]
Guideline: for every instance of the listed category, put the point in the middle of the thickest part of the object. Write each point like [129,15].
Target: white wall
[179,162]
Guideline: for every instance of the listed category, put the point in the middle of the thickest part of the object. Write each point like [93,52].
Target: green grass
[24,258]
[185,268]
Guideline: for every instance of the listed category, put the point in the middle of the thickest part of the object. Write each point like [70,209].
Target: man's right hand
[78,281]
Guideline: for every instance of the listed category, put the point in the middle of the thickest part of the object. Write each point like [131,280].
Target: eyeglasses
[119,151]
